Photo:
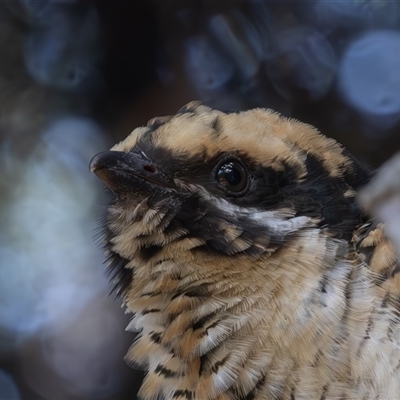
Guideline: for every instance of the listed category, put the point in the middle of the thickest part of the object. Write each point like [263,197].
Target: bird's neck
[208,328]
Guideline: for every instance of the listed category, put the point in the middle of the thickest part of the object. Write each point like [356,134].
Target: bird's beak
[122,171]
[104,160]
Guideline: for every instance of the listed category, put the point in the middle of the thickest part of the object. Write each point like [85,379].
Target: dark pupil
[231,174]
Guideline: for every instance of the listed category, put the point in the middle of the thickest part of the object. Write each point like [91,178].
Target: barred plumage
[250,270]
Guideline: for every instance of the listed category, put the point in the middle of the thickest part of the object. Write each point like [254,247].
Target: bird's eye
[232,177]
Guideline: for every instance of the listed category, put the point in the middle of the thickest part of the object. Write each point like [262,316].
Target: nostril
[150,168]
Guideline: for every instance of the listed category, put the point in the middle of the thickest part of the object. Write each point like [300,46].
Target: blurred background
[78,76]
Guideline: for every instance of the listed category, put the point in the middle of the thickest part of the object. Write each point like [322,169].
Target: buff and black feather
[236,242]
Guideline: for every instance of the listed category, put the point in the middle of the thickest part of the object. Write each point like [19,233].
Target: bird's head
[204,183]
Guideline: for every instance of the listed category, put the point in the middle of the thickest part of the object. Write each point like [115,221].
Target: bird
[236,241]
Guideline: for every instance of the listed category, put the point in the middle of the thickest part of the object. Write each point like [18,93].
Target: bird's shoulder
[376,251]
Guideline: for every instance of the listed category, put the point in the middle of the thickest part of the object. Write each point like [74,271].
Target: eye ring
[232,177]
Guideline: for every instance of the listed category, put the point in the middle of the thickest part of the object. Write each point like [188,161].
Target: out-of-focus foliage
[300,58]
[61,335]
[76,76]
[368,75]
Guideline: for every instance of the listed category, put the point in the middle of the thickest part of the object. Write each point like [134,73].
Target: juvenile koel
[251,273]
